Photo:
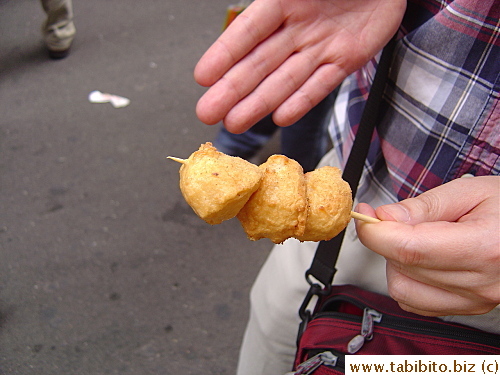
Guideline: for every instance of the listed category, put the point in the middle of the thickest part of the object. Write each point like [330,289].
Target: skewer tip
[178,160]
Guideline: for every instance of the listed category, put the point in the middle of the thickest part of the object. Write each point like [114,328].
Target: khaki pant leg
[269,343]
[58,29]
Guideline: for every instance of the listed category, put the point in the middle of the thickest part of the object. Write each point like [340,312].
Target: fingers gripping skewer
[365,218]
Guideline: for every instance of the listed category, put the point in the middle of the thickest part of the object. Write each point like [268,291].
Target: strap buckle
[315,289]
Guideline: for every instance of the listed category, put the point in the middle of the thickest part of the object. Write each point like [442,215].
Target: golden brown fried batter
[329,204]
[277,210]
[217,185]
[275,201]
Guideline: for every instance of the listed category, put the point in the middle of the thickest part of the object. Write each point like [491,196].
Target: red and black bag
[347,319]
[351,320]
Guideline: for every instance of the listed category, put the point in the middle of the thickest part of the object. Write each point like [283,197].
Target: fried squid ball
[277,210]
[329,204]
[216,185]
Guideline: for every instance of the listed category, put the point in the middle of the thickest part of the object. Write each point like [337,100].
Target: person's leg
[269,343]
[58,29]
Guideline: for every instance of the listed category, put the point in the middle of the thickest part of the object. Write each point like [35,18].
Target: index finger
[250,28]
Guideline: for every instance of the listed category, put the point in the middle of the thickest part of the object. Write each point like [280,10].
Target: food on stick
[274,200]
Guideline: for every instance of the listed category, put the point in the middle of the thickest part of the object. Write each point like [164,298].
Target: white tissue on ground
[115,100]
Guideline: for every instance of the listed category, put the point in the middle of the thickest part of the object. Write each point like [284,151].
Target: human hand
[287,55]
[442,247]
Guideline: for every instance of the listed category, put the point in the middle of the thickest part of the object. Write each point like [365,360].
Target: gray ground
[104,269]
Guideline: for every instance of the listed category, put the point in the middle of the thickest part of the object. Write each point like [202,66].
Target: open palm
[287,55]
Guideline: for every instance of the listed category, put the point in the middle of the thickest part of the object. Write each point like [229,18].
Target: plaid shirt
[441,112]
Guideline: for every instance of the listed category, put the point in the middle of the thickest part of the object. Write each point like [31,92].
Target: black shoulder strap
[327,252]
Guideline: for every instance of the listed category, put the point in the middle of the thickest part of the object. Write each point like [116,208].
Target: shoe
[57,55]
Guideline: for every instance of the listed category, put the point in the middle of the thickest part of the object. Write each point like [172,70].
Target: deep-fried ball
[277,210]
[329,204]
[216,185]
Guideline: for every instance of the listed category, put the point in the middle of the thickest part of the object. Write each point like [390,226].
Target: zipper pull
[370,317]
[309,366]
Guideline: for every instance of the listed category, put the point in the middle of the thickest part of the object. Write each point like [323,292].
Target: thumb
[448,202]
[443,203]
[424,208]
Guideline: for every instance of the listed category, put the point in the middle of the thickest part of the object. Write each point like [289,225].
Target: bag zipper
[370,317]
[324,358]
[428,328]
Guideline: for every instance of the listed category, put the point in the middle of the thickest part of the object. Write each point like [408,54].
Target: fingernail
[397,211]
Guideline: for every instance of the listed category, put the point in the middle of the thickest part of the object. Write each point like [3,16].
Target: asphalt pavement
[104,269]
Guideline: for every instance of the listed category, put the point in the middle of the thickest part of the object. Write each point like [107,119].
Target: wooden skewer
[368,219]
[178,160]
